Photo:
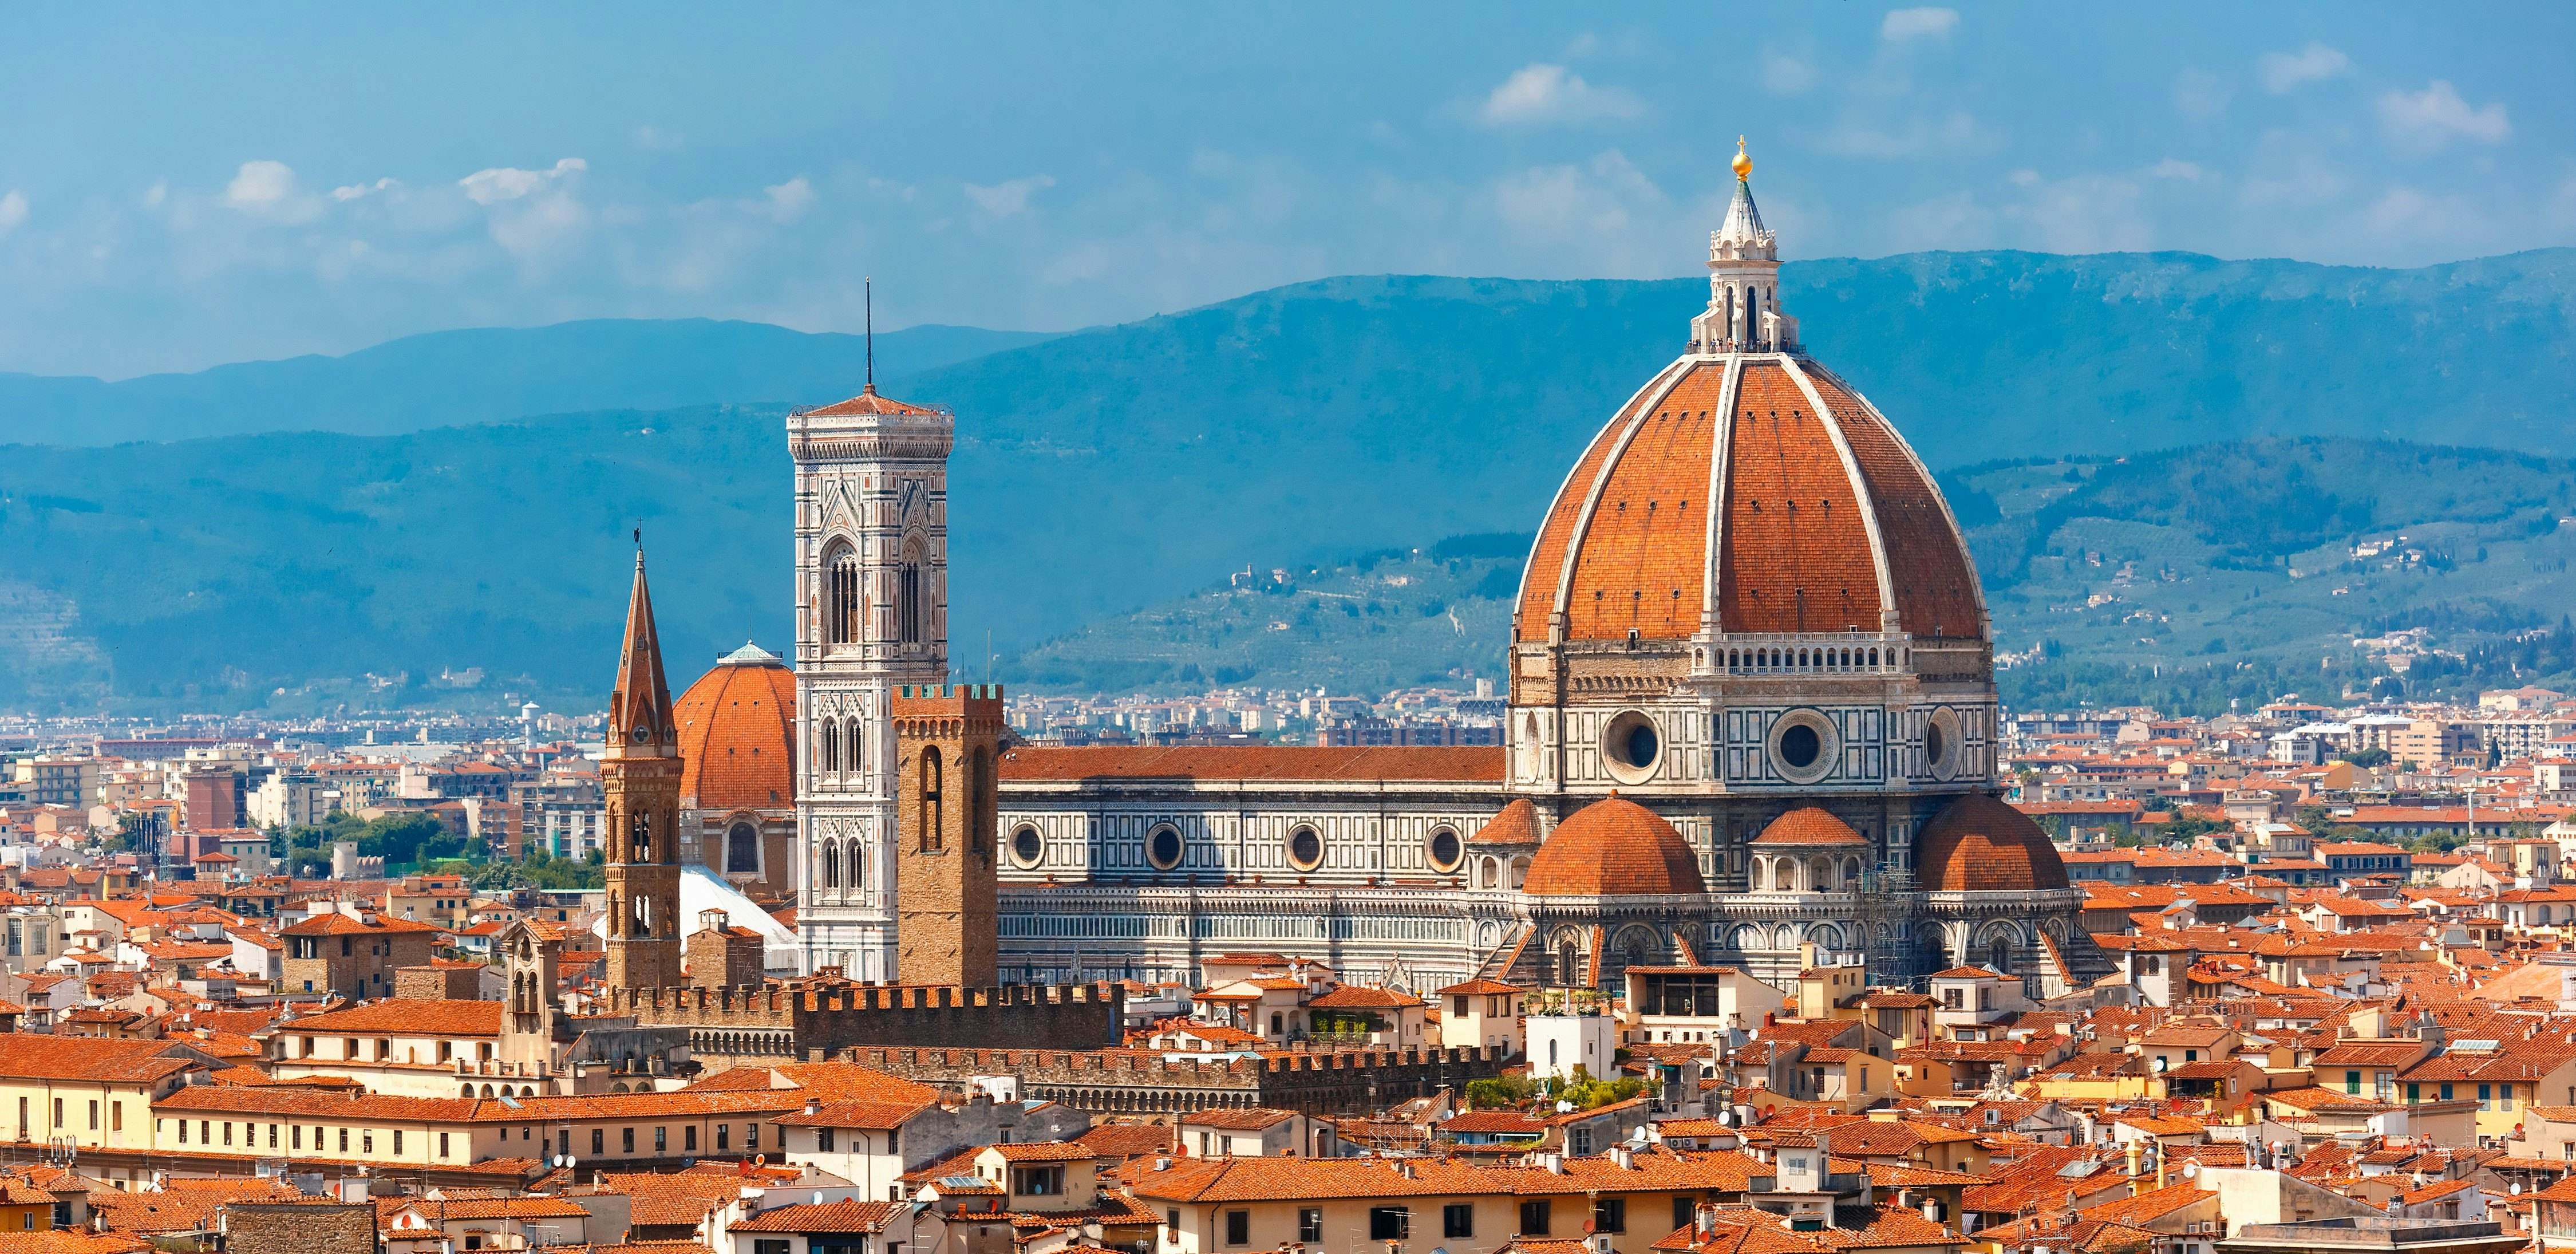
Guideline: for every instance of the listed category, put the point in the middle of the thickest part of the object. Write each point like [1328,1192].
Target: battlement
[802,1022]
[1133,1080]
[972,701]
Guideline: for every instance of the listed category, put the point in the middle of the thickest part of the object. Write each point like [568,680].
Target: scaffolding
[1886,902]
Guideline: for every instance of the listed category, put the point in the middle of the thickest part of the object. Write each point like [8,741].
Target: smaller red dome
[1613,848]
[1977,844]
[1809,825]
[737,734]
[1516,825]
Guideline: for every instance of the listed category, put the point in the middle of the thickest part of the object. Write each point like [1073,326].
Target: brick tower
[948,745]
[640,778]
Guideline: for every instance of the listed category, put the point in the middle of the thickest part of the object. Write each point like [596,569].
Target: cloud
[1605,212]
[2200,95]
[2285,72]
[2431,118]
[1003,200]
[1943,137]
[658,140]
[502,183]
[1901,25]
[1541,93]
[788,201]
[2174,168]
[268,190]
[535,215]
[2084,213]
[355,190]
[13,211]
[260,185]
[2406,212]
[1786,75]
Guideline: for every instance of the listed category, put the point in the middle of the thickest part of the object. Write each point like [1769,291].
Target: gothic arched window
[742,850]
[907,596]
[831,868]
[933,830]
[841,594]
[831,746]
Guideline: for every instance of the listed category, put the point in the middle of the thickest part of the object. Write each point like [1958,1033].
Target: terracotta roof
[1798,555]
[1625,545]
[337,924]
[88,1058]
[1363,996]
[1475,764]
[1254,1119]
[1613,847]
[1516,825]
[853,1115]
[817,1219]
[421,1017]
[1979,844]
[868,404]
[1809,825]
[737,746]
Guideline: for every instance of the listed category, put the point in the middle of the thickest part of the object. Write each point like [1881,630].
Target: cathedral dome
[1613,848]
[1978,844]
[737,743]
[1746,488]
[1809,826]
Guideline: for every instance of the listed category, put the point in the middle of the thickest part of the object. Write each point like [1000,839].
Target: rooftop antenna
[868,293]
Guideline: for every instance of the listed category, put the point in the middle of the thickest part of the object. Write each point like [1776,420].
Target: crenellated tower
[639,777]
[948,745]
[872,615]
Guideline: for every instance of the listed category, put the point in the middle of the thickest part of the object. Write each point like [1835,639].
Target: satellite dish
[1564,1107]
[2514,1188]
[2191,1171]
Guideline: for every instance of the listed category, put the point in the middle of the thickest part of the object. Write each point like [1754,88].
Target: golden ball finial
[1743,164]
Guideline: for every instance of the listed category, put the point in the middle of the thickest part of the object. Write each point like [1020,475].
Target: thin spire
[870,291]
[639,711]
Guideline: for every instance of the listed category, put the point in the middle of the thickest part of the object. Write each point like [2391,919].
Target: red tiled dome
[1613,847]
[737,743]
[1791,457]
[1980,845]
[1809,825]
[1516,825]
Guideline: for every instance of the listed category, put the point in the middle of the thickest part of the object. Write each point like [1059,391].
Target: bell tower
[639,776]
[948,744]
[871,616]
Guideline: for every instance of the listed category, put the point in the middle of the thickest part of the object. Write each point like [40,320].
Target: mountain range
[394,517]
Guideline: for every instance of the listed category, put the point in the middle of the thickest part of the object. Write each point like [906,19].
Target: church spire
[639,712]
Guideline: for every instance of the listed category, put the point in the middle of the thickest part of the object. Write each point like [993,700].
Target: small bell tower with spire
[1743,313]
[639,777]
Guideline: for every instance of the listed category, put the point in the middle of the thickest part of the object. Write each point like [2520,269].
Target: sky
[182,186]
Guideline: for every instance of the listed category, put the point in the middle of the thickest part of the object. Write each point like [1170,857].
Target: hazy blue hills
[493,374]
[1102,472]
[2149,578]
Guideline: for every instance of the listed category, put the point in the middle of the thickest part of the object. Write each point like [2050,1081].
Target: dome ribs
[1978,844]
[737,738]
[1639,565]
[1935,590]
[1546,570]
[1797,554]
[1614,848]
